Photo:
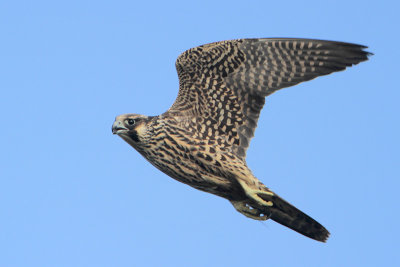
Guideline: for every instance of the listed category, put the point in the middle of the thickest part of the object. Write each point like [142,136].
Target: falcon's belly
[199,164]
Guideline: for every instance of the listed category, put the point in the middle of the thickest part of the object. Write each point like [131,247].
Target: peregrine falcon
[202,139]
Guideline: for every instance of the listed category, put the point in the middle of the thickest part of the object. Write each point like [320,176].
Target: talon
[269,193]
[248,211]
[269,203]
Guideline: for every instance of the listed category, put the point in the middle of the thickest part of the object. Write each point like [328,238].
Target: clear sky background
[72,194]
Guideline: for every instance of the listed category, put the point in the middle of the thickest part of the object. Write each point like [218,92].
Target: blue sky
[72,194]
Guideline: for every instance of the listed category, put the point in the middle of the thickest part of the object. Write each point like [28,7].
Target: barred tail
[262,204]
[286,214]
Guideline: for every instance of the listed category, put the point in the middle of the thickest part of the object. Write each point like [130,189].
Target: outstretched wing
[224,84]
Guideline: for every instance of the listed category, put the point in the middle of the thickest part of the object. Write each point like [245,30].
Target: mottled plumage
[202,139]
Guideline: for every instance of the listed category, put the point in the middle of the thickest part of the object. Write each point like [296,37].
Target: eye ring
[130,122]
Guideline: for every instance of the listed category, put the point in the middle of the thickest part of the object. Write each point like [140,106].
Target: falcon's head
[131,127]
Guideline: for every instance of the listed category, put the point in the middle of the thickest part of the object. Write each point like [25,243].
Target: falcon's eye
[131,122]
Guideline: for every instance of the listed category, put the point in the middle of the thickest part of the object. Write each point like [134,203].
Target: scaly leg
[254,194]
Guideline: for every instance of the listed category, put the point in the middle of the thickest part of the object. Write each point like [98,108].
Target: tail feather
[286,214]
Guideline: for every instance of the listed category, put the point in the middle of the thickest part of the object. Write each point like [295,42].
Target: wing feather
[227,82]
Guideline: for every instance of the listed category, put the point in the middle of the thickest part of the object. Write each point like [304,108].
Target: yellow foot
[256,194]
[248,211]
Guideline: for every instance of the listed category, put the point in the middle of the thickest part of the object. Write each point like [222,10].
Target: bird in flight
[201,140]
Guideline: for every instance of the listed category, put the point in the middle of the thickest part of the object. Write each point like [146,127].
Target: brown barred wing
[226,82]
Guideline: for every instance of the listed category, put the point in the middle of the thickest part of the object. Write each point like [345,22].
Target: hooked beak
[118,127]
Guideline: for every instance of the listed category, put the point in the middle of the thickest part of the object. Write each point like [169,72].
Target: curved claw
[249,211]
